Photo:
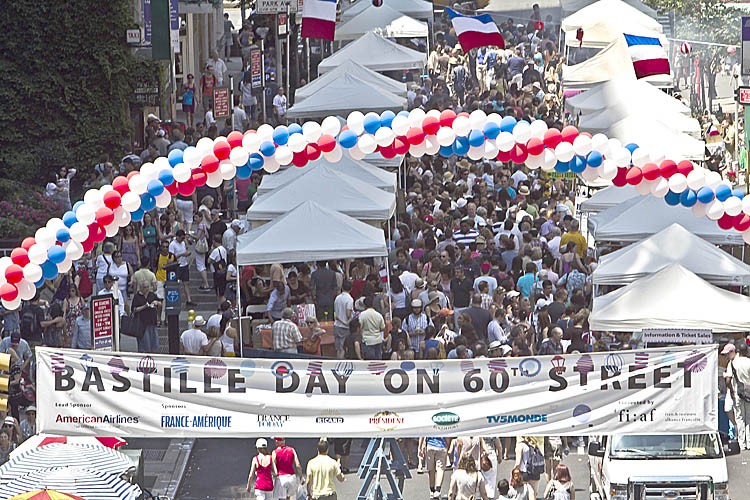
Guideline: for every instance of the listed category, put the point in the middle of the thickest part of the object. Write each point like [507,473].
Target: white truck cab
[664,467]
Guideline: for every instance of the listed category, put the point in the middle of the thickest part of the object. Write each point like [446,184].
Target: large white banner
[670,390]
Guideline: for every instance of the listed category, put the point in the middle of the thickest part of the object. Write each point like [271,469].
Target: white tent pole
[239,307]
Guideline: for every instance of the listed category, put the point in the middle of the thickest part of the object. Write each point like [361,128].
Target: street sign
[173,295]
[745,45]
[744,95]
[276,6]
[256,68]
[134,36]
[282,23]
[102,322]
[221,102]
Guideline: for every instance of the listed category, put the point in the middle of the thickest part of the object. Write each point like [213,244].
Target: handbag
[201,246]
[131,326]
[311,345]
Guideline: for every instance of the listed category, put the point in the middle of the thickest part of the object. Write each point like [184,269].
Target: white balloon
[138,184]
[644,187]
[191,157]
[640,157]
[599,142]
[130,202]
[93,197]
[715,210]
[582,145]
[11,305]
[356,122]
[228,171]
[608,169]
[79,231]
[564,151]
[522,132]
[204,146]
[54,224]
[535,161]
[356,153]
[621,156]
[461,126]
[538,128]
[713,179]
[400,125]
[367,144]
[64,266]
[476,152]
[311,131]
[677,183]
[433,113]
[251,142]
[416,117]
[238,156]
[122,216]
[589,175]
[283,155]
[44,237]
[733,206]
[477,119]
[614,144]
[164,199]
[32,271]
[270,165]
[148,171]
[490,149]
[181,172]
[445,136]
[86,215]
[112,229]
[699,209]
[431,145]
[26,289]
[696,179]
[331,126]
[213,180]
[335,155]
[161,163]
[549,160]
[746,205]
[418,150]
[659,187]
[496,118]
[657,156]
[384,136]
[5,263]
[505,141]
[297,143]
[265,132]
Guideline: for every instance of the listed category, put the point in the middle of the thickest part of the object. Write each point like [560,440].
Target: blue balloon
[255,161]
[154,188]
[267,148]
[386,118]
[688,198]
[723,192]
[77,204]
[49,269]
[737,193]
[347,139]
[403,112]
[148,202]
[476,138]
[461,146]
[62,235]
[56,254]
[507,124]
[672,198]
[594,159]
[244,172]
[166,176]
[631,147]
[175,157]
[446,151]
[491,130]
[577,164]
[69,218]
[371,124]
[280,135]
[40,283]
[294,128]
[137,216]
[705,195]
[562,167]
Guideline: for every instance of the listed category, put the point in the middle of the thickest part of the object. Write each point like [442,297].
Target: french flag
[319,19]
[475,31]
[648,55]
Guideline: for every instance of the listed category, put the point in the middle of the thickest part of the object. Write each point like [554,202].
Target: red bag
[85,287]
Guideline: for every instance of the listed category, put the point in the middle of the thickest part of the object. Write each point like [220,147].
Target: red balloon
[518,154]
[234,139]
[199,178]
[209,164]
[112,199]
[569,134]
[87,244]
[634,176]
[400,145]
[620,179]
[650,171]
[742,222]
[14,273]
[430,125]
[105,216]
[463,113]
[685,167]
[97,232]
[726,222]
[172,188]
[20,256]
[28,243]
[185,188]
[132,174]
[387,151]
[667,168]
[222,150]
[415,136]
[535,146]
[447,117]
[503,156]
[299,159]
[8,292]
[552,138]
[120,184]
[312,151]
[327,143]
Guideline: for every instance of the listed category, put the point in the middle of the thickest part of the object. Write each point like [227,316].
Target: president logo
[518,418]
[386,420]
[445,420]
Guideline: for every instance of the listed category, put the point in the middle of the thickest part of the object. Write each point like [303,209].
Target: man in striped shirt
[415,324]
[466,234]
[285,333]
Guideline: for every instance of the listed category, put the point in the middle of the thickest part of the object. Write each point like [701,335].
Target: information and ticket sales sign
[653,391]
[677,336]
[102,322]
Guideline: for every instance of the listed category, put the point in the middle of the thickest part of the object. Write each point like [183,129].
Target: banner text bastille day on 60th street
[654,390]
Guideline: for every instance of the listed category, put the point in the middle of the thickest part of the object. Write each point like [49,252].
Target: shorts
[553,451]
[340,334]
[183,274]
[530,477]
[200,261]
[188,108]
[436,458]
[185,207]
[286,486]
[264,495]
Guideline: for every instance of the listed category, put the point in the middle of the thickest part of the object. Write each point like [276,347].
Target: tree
[66,75]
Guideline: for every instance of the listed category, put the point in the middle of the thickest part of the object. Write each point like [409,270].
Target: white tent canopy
[673,244]
[378,160]
[418,9]
[671,298]
[639,218]
[607,198]
[331,189]
[625,91]
[344,95]
[606,20]
[359,169]
[602,120]
[351,68]
[405,27]
[380,18]
[310,232]
[377,53]
[573,6]
[649,133]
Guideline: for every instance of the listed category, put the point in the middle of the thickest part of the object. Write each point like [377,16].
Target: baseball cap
[161,132]
[261,443]
[728,348]
[15,337]
[236,223]
[199,321]
[278,438]
[9,420]
[30,408]
[214,320]
[514,293]
[540,303]
[416,303]
[461,202]
[419,283]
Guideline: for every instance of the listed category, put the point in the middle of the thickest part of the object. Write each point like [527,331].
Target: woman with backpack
[561,487]
[519,488]
[530,461]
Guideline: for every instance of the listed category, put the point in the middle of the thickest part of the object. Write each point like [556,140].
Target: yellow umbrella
[46,495]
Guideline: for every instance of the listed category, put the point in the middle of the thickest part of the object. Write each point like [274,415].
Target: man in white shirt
[279,105]
[178,248]
[110,287]
[737,376]
[220,68]
[229,238]
[343,311]
[239,117]
[193,341]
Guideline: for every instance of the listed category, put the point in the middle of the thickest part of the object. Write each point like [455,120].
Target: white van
[664,467]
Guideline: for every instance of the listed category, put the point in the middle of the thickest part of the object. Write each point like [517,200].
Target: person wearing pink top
[263,471]
[288,468]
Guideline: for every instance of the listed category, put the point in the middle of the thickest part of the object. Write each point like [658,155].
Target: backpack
[30,325]
[220,266]
[85,287]
[557,492]
[534,463]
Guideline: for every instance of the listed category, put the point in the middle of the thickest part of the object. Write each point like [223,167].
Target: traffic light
[4,381]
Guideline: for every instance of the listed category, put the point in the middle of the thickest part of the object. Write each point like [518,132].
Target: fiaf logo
[446,419]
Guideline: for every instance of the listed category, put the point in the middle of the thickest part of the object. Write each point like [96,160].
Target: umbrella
[42,439]
[85,456]
[45,495]
[89,484]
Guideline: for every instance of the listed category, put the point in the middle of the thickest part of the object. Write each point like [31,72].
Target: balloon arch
[102,212]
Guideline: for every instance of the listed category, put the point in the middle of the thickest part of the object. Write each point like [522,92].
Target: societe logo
[386,420]
[445,420]
[329,420]
[520,418]
[273,421]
